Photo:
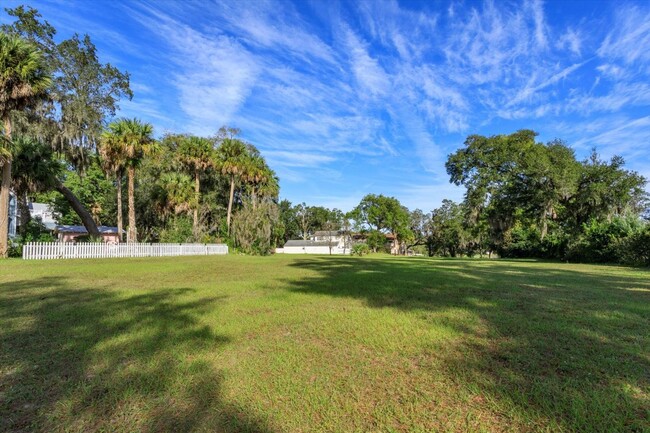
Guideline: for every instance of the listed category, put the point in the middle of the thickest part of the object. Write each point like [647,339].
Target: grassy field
[297,344]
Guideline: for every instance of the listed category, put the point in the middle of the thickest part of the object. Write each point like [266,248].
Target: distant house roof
[321,233]
[104,230]
[301,243]
[49,225]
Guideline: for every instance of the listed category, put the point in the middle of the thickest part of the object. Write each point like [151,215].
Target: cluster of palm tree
[127,142]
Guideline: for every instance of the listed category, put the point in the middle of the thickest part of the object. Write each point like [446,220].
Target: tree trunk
[132,236]
[25,216]
[86,219]
[197,192]
[120,222]
[232,195]
[254,198]
[5,186]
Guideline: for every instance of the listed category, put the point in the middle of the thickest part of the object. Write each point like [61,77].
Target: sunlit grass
[323,344]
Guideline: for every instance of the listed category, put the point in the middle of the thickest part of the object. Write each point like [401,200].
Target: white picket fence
[87,250]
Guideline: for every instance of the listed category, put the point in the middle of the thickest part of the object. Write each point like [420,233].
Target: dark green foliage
[635,250]
[177,230]
[360,249]
[448,236]
[376,240]
[384,214]
[605,241]
[93,189]
[287,227]
[528,199]
[35,231]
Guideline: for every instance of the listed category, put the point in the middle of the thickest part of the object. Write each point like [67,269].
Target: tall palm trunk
[86,218]
[5,186]
[120,223]
[132,235]
[197,196]
[232,196]
[25,216]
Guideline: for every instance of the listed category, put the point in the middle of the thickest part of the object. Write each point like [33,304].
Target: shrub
[360,249]
[376,241]
[36,232]
[177,231]
[635,250]
[604,241]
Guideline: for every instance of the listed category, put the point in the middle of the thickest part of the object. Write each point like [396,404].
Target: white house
[43,212]
[321,242]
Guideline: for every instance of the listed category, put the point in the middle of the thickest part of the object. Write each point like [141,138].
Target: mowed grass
[298,344]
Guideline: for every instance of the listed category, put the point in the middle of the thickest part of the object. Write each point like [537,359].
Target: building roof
[301,243]
[321,233]
[49,225]
[104,230]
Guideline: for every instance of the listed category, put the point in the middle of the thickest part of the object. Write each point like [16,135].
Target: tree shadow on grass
[93,359]
[556,348]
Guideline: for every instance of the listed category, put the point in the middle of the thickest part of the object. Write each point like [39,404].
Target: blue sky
[348,98]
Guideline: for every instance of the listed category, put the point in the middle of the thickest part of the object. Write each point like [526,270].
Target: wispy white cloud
[369,74]
[215,74]
[277,28]
[629,38]
[570,40]
[619,137]
[298,159]
[536,7]
[622,94]
[532,88]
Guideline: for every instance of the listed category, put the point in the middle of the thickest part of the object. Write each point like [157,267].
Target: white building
[38,211]
[321,242]
[44,213]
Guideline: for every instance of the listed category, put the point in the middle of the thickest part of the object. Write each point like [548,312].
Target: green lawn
[296,344]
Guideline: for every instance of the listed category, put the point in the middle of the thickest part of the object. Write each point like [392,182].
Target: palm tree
[270,188]
[197,154]
[231,159]
[33,171]
[36,170]
[133,140]
[176,195]
[261,179]
[113,159]
[23,81]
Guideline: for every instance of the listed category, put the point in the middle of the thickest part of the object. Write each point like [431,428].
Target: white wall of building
[313,250]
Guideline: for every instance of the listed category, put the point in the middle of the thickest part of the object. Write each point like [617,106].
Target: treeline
[530,199]
[523,199]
